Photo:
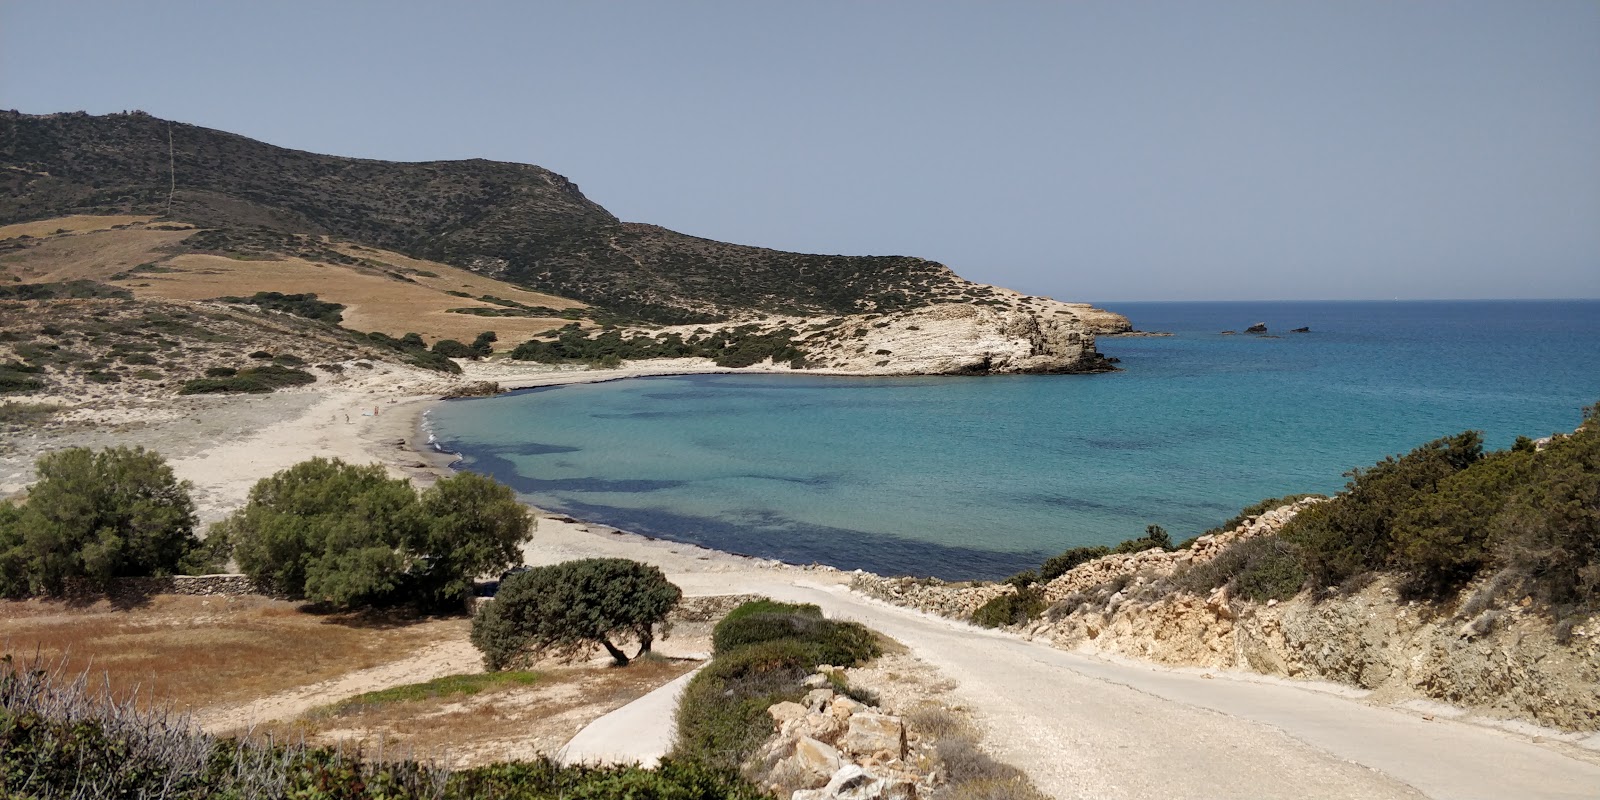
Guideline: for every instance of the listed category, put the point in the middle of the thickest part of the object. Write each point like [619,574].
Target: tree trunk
[618,656]
[646,638]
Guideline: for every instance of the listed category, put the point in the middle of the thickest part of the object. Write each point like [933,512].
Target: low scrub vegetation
[739,347]
[1440,517]
[763,652]
[303,305]
[1015,608]
[352,536]
[253,380]
[61,739]
[565,609]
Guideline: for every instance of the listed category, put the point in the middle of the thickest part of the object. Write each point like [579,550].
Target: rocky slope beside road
[1498,663]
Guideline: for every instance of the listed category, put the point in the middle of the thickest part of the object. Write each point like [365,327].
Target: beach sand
[223,445]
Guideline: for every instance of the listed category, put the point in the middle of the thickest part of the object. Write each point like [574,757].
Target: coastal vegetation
[763,651]
[1521,522]
[251,380]
[351,536]
[98,516]
[60,738]
[741,346]
[567,608]
[304,305]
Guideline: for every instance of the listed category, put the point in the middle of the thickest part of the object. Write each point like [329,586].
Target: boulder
[822,727]
[786,712]
[813,763]
[843,707]
[872,733]
[1300,330]
[1259,327]
[816,681]
[818,699]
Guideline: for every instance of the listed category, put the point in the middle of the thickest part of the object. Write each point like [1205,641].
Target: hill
[516,222]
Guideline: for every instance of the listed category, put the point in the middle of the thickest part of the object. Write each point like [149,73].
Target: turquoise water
[981,477]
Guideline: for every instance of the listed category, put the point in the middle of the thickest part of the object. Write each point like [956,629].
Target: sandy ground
[1080,726]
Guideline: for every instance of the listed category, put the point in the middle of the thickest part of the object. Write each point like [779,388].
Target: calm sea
[981,477]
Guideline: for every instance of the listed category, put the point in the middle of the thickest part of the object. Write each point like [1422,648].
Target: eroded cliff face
[1504,663]
[959,339]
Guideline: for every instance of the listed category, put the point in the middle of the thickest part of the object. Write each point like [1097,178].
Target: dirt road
[1083,727]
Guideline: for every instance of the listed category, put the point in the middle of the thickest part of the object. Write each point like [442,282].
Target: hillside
[516,222]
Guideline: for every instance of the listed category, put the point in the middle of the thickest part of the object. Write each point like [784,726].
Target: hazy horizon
[1100,152]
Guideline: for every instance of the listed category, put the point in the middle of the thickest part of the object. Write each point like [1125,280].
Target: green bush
[352,536]
[1352,534]
[255,380]
[722,716]
[1155,538]
[99,515]
[450,348]
[762,651]
[16,376]
[568,607]
[1013,608]
[302,305]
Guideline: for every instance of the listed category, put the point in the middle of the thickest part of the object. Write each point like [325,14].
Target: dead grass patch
[503,720]
[75,223]
[196,652]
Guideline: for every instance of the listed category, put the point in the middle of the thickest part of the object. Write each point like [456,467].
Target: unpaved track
[1082,727]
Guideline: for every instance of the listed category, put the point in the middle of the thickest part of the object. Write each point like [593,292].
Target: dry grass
[197,652]
[502,721]
[376,299]
[76,223]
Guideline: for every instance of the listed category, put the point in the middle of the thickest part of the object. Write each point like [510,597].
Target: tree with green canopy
[564,609]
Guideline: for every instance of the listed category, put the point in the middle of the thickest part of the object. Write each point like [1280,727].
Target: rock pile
[836,748]
[931,595]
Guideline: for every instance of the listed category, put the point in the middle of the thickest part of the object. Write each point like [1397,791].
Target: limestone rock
[812,760]
[870,733]
[786,712]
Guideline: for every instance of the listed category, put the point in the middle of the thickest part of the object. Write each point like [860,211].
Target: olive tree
[566,608]
[118,512]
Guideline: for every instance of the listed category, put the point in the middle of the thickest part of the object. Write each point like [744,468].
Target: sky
[1094,151]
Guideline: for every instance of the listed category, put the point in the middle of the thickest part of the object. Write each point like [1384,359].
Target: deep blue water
[981,477]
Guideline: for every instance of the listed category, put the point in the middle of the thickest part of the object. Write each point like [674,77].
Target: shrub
[1155,537]
[118,512]
[1352,533]
[722,716]
[450,348]
[568,607]
[303,305]
[483,345]
[255,380]
[1012,608]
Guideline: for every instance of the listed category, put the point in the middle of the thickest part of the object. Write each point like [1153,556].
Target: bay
[982,477]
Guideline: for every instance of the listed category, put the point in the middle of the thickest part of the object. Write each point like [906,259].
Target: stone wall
[222,585]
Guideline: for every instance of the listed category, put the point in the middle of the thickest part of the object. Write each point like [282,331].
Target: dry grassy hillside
[382,290]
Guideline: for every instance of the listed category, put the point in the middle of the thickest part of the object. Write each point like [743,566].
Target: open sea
[982,477]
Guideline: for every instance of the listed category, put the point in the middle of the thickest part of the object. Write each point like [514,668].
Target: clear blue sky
[1094,151]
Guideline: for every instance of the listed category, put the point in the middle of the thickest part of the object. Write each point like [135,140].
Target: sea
[980,477]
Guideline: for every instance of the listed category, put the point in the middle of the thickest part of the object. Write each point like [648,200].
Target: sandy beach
[223,445]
